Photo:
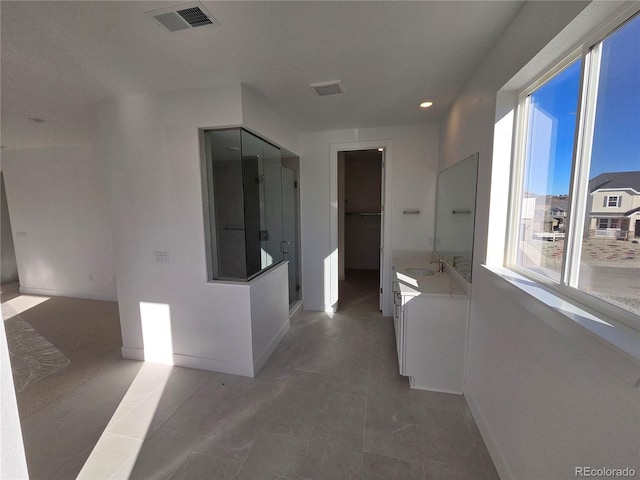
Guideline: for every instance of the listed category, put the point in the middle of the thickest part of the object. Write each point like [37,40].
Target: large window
[576,203]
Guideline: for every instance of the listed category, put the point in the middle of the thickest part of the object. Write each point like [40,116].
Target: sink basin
[420,272]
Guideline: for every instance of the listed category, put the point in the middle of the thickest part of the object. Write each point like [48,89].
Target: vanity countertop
[447,284]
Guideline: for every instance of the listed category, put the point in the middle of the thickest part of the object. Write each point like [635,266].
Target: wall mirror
[456,213]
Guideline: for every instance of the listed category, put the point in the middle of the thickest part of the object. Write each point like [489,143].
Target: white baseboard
[132,353]
[214,365]
[201,363]
[107,296]
[492,446]
[417,386]
[295,308]
[259,362]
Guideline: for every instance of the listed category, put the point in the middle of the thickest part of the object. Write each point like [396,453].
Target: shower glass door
[290,231]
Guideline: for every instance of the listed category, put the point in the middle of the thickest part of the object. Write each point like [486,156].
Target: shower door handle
[285,247]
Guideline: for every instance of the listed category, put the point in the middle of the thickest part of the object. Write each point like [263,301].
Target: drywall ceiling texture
[60,58]
[544,405]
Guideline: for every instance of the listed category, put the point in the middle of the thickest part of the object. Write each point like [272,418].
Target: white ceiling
[59,58]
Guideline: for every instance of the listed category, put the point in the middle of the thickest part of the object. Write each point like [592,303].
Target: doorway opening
[360,228]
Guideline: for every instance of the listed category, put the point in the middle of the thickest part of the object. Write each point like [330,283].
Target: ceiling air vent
[323,89]
[184,16]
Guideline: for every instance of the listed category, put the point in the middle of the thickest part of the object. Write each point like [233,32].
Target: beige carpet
[87,332]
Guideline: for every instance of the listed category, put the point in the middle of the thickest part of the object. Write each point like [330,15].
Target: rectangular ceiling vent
[322,89]
[183,17]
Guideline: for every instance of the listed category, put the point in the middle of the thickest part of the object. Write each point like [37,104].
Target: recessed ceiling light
[36,120]
[426,104]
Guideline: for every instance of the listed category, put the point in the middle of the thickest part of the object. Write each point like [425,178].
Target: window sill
[614,345]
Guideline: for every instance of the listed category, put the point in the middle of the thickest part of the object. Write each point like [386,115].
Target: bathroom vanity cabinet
[430,319]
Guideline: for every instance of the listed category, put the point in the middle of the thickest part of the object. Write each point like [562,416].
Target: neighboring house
[544,216]
[614,205]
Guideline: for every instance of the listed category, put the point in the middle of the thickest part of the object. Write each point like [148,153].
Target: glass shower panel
[290,230]
[263,203]
[227,217]
[242,176]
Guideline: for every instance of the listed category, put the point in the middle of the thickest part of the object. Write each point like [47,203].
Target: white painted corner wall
[152,148]
[410,181]
[269,314]
[543,404]
[60,220]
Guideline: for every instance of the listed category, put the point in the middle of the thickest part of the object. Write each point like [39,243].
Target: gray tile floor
[329,404]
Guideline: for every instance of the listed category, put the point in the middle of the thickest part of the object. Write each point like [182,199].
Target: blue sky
[616,145]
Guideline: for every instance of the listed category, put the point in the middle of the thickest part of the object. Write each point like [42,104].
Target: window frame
[618,201]
[589,52]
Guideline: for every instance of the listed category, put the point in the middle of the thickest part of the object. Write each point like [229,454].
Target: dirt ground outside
[609,268]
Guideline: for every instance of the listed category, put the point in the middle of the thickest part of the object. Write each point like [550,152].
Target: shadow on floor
[359,291]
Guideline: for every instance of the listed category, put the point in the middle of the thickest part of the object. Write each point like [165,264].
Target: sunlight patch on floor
[116,452]
[20,304]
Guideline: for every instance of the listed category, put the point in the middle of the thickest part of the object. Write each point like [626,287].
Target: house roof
[615,180]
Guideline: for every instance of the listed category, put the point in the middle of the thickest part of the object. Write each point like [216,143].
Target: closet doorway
[360,221]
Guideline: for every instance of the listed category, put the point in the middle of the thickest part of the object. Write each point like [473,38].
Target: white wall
[269,313]
[411,172]
[543,403]
[59,213]
[151,145]
[8,264]
[263,120]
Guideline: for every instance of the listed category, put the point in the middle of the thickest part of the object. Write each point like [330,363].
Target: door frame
[385,264]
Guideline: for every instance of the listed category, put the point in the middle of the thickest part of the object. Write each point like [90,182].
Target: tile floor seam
[391,456]
[162,424]
[122,436]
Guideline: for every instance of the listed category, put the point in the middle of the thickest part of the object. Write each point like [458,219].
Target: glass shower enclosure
[243,204]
